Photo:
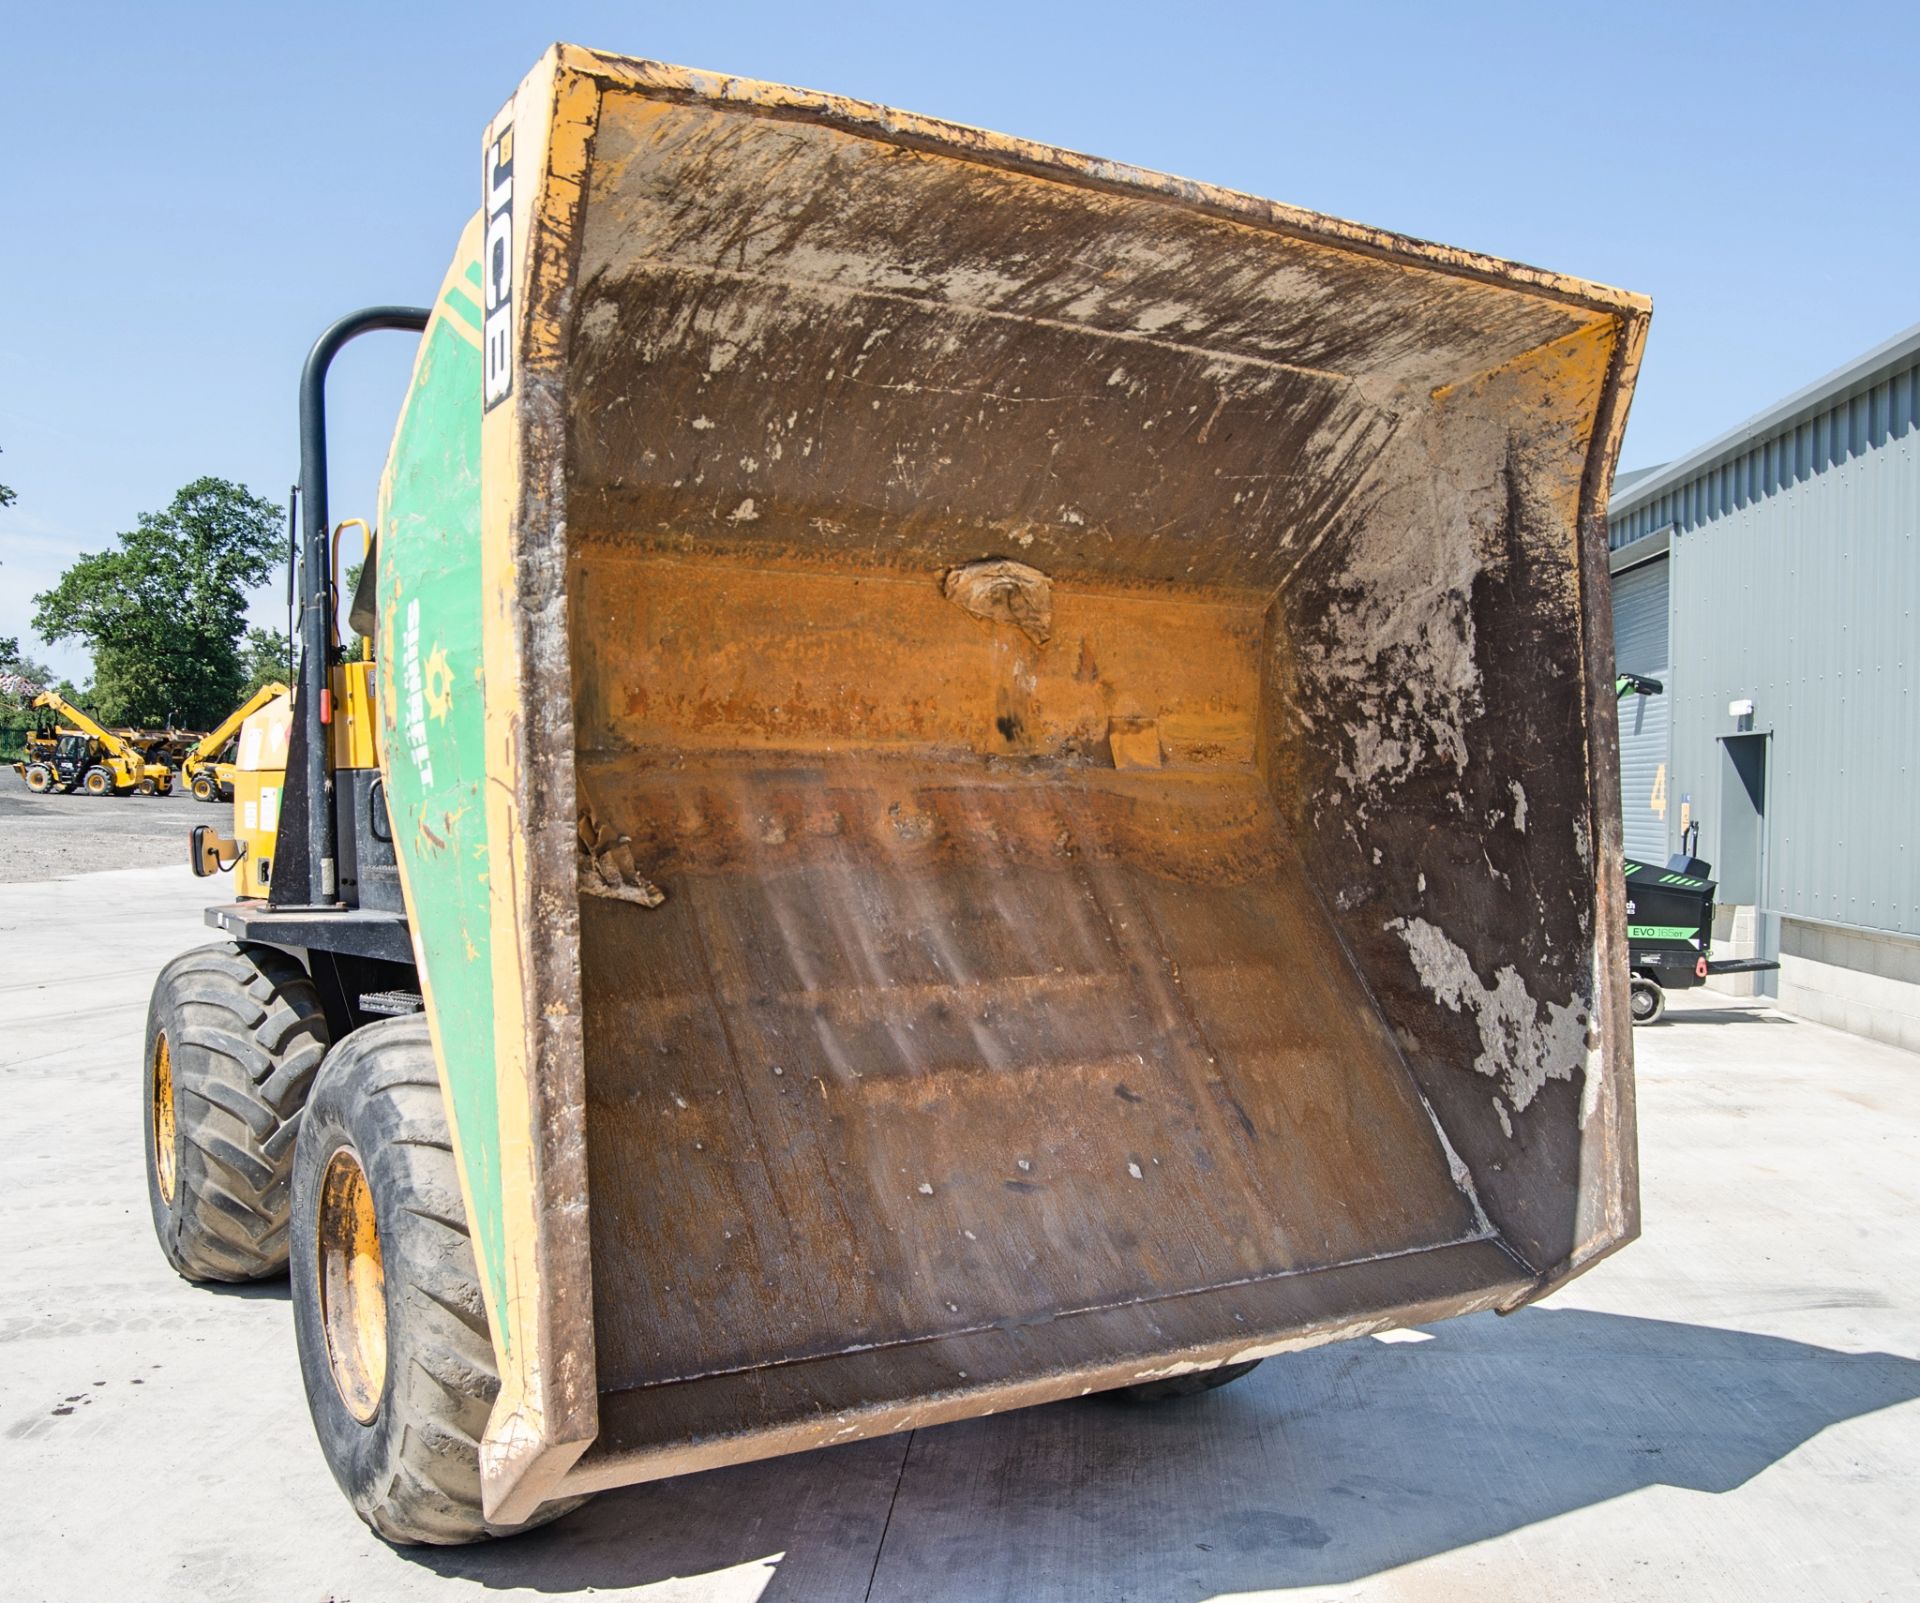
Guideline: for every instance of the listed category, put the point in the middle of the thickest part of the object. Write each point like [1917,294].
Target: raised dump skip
[1076,689]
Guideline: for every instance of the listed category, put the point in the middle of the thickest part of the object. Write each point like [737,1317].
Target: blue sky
[193,191]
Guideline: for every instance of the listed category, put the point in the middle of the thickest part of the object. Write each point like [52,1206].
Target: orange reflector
[1700,968]
[326,706]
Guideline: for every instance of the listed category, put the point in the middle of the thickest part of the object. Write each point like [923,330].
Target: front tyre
[234,1037]
[40,778]
[394,1343]
[1646,1000]
[98,782]
[205,789]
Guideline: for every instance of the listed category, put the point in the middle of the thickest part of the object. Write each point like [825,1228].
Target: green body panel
[433,740]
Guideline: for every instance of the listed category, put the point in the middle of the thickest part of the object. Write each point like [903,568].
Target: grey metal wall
[1887,413]
[1640,646]
[1795,576]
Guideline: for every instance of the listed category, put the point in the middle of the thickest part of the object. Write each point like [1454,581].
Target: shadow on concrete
[1716,1015]
[1323,1467]
[277,1288]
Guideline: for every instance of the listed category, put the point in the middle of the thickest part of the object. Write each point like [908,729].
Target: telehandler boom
[986,776]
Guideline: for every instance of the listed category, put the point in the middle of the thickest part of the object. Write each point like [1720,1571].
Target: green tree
[7,496]
[164,611]
[263,659]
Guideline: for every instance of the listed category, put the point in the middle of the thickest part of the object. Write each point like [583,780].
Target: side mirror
[211,854]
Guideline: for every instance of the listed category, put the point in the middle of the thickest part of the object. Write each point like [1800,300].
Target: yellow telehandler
[88,756]
[206,765]
[985,776]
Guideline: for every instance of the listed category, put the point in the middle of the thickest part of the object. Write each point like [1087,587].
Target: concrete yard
[1728,1409]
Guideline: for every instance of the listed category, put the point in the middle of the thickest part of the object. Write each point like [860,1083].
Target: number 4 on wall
[1658,800]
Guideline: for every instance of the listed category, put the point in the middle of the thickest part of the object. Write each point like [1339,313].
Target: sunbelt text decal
[413,722]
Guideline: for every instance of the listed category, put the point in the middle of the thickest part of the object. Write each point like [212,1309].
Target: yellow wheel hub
[353,1286]
[160,1119]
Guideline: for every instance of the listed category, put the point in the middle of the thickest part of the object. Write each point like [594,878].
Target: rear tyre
[394,1343]
[39,778]
[204,788]
[1205,1380]
[235,1035]
[1647,1001]
[98,782]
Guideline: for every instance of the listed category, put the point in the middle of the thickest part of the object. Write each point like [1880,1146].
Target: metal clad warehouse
[1779,566]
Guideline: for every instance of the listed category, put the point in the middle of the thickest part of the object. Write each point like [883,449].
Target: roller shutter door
[1640,646]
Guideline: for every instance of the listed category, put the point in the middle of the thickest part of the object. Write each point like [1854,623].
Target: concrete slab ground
[1730,1409]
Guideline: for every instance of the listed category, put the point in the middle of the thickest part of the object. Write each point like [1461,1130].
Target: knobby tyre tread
[245,1035]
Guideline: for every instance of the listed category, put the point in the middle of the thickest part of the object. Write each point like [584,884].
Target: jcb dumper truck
[987,776]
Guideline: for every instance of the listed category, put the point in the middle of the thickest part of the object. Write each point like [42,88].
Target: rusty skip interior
[1005,1014]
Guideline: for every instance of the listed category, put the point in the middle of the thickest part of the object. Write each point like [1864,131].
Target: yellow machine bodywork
[353,716]
[257,776]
